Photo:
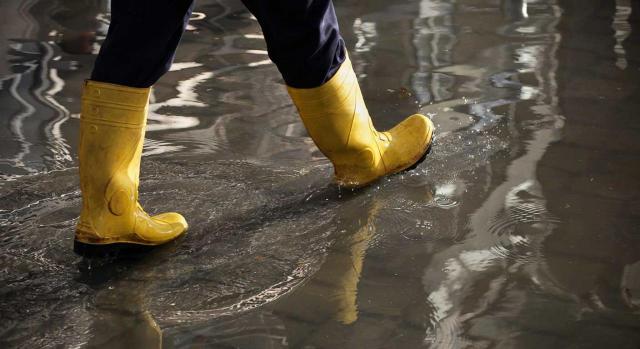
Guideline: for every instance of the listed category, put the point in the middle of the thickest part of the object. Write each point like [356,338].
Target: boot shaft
[337,119]
[112,125]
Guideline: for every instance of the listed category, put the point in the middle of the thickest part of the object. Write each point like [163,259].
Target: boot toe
[177,222]
[410,141]
[414,132]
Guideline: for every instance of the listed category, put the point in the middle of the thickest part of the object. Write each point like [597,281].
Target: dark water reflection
[522,229]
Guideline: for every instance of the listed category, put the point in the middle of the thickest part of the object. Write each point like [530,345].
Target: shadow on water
[520,230]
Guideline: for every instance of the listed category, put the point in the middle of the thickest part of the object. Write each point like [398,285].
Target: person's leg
[304,41]
[141,41]
[139,48]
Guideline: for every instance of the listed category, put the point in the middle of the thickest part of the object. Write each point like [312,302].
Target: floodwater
[520,230]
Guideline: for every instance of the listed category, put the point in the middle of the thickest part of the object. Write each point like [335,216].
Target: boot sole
[113,250]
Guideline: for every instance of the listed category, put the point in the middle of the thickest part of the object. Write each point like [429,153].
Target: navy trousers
[302,36]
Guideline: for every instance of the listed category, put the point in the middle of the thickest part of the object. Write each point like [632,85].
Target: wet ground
[520,230]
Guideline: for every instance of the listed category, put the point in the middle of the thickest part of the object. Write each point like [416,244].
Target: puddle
[519,230]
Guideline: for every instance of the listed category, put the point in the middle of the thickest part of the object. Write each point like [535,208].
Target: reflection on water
[522,229]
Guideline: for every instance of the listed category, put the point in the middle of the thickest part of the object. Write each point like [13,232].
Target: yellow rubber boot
[112,127]
[337,120]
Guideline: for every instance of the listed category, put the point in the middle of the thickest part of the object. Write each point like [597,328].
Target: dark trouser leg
[141,41]
[302,37]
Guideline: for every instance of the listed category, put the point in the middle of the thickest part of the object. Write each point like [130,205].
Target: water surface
[520,230]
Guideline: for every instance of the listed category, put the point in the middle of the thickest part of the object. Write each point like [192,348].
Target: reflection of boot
[337,119]
[119,309]
[347,268]
[332,292]
[123,330]
[112,129]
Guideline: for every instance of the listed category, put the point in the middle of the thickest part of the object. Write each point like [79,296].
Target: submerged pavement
[520,230]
